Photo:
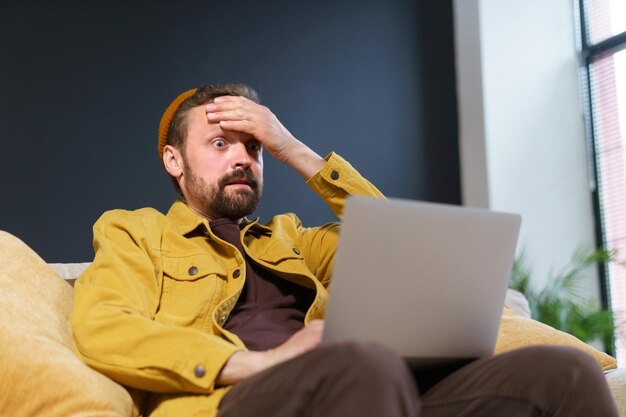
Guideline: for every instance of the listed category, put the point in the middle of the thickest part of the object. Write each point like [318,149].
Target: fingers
[231,99]
[236,114]
[227,108]
[239,114]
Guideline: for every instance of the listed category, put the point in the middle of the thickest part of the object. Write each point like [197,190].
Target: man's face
[222,169]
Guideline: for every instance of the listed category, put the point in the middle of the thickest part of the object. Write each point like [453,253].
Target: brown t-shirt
[270,309]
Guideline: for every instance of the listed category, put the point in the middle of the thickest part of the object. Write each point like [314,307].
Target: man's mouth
[240,182]
[239,179]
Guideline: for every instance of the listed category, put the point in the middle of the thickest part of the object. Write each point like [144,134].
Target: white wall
[522,137]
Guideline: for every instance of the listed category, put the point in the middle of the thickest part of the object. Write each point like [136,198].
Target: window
[602,44]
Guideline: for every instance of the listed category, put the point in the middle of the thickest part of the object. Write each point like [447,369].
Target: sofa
[42,376]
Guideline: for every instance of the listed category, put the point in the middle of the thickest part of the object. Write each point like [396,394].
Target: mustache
[245,175]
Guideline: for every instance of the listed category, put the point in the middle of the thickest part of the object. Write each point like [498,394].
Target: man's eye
[219,143]
[255,146]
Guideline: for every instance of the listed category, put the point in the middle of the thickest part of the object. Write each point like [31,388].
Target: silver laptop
[426,280]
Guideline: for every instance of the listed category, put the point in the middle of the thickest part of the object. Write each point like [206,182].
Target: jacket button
[236,273]
[296,251]
[334,175]
[199,371]
[193,270]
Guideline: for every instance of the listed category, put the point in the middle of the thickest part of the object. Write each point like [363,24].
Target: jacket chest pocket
[192,286]
[285,257]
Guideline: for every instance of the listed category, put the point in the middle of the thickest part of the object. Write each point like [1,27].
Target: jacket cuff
[201,371]
[334,175]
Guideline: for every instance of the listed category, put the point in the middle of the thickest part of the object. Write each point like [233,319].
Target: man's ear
[173,161]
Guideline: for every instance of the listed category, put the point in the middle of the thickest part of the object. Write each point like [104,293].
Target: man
[208,313]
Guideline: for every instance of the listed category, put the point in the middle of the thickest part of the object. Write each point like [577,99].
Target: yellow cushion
[517,331]
[41,375]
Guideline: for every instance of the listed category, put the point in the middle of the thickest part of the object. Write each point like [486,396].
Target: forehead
[197,122]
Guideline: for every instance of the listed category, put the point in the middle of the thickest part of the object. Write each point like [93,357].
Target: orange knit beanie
[167,117]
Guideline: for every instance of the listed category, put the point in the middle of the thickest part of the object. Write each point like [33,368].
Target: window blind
[603,47]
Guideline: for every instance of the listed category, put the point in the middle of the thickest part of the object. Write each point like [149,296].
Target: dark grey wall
[82,88]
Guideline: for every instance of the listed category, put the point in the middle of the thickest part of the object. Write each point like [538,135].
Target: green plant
[560,304]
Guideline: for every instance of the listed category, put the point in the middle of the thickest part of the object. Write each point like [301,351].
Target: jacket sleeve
[114,306]
[334,183]
[337,180]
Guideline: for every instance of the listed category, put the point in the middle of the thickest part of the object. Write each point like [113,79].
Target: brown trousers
[360,380]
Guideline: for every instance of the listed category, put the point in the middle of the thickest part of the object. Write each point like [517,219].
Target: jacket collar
[185,220]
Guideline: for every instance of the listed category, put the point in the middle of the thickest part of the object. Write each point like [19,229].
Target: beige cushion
[517,331]
[41,375]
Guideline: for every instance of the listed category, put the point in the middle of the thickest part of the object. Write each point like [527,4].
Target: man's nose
[241,157]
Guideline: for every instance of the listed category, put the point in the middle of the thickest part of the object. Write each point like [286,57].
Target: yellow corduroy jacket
[149,311]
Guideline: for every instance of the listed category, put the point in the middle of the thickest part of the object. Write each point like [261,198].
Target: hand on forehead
[231,108]
[240,114]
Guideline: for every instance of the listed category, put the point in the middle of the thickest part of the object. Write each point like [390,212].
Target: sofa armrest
[616,379]
[517,302]
[69,271]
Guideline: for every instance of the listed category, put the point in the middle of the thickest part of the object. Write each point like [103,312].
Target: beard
[217,201]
